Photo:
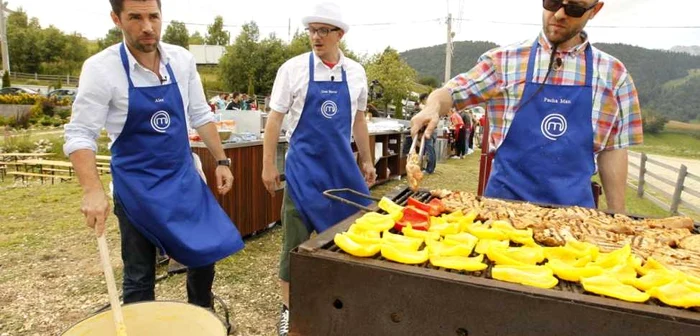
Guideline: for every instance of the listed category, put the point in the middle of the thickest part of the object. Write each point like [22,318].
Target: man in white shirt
[143,91]
[325,95]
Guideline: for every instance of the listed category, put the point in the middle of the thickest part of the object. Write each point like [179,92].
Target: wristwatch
[225,162]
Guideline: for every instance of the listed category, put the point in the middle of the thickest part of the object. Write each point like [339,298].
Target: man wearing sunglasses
[324,95]
[556,107]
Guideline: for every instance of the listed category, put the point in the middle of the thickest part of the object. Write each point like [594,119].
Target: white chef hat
[328,13]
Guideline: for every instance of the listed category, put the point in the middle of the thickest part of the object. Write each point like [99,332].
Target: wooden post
[679,189]
[642,170]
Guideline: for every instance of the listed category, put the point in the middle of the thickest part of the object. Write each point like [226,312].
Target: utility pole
[3,38]
[289,30]
[448,49]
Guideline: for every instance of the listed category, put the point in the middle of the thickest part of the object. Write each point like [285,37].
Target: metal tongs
[420,150]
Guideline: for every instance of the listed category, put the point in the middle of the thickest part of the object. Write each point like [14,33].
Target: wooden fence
[671,202]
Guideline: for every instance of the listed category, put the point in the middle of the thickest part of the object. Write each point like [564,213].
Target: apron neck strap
[533,55]
[125,63]
[312,68]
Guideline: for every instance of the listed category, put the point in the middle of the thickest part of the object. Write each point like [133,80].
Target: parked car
[15,90]
[63,94]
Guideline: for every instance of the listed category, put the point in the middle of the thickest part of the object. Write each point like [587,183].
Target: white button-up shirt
[103,95]
[292,82]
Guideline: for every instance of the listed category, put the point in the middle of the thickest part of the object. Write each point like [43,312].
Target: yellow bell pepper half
[482,247]
[609,285]
[364,232]
[624,272]
[678,293]
[408,231]
[483,232]
[459,263]
[354,248]
[442,249]
[443,228]
[461,238]
[652,279]
[614,258]
[515,255]
[454,217]
[373,221]
[392,253]
[363,239]
[570,272]
[389,206]
[401,242]
[536,276]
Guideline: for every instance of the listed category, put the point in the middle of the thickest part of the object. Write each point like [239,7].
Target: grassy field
[50,276]
[678,139]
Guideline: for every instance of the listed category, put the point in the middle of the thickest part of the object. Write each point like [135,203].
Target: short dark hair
[422,96]
[118,5]
[235,95]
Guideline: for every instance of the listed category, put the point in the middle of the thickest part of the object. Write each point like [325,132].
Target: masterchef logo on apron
[160,121]
[553,126]
[329,109]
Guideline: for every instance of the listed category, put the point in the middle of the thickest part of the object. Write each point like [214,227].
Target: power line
[591,26]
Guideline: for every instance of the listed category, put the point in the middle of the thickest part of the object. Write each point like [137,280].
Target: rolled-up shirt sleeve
[198,111]
[476,85]
[362,99]
[90,109]
[281,97]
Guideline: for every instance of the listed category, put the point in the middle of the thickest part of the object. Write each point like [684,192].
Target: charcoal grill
[333,293]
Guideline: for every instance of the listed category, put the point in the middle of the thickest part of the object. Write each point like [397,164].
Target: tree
[394,73]
[196,38]
[652,122]
[113,37]
[273,54]
[52,44]
[242,60]
[24,42]
[299,44]
[429,81]
[176,33]
[216,34]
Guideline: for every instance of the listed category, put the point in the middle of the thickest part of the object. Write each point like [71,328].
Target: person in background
[558,108]
[468,130]
[459,132]
[245,102]
[235,103]
[324,94]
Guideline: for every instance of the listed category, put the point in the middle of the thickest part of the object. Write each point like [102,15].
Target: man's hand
[224,179]
[95,207]
[429,118]
[369,173]
[271,178]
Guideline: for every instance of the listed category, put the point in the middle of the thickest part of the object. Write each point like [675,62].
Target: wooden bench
[104,169]
[54,170]
[41,176]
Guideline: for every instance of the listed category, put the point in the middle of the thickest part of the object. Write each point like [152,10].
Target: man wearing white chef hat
[325,95]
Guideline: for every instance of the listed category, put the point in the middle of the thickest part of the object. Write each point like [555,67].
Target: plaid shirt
[499,81]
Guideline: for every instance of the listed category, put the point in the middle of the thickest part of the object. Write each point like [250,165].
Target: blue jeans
[139,257]
[428,151]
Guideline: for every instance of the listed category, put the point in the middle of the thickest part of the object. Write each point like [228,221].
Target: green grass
[672,143]
[680,81]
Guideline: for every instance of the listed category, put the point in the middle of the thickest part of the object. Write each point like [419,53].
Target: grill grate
[424,196]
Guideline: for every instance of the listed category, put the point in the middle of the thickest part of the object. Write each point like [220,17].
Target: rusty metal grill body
[333,293]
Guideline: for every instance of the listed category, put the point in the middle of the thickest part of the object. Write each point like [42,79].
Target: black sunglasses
[572,10]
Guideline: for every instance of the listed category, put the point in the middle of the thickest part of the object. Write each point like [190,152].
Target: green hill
[668,82]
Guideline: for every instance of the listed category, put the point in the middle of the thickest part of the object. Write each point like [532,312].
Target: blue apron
[156,182]
[320,155]
[547,155]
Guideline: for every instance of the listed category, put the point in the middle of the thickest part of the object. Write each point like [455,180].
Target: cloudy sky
[403,25]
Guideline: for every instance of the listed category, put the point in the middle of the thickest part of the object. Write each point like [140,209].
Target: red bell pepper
[417,218]
[434,208]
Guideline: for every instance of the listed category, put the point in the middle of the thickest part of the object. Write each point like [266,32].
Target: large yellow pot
[154,318]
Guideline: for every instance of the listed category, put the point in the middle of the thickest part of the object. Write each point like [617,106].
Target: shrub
[20,99]
[653,123]
[47,107]
[18,143]
[3,121]
[21,120]
[46,121]
[64,113]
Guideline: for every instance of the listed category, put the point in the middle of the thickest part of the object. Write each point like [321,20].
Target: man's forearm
[441,99]
[271,138]
[210,136]
[361,134]
[612,166]
[85,167]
